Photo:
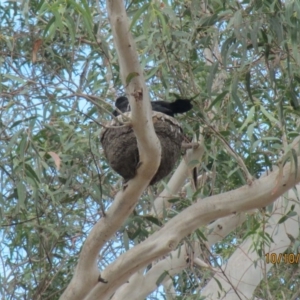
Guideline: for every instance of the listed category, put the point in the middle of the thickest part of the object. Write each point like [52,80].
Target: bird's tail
[180,106]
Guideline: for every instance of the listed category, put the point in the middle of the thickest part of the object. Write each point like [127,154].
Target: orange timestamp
[287,258]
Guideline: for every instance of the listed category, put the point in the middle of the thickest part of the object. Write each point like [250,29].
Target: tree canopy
[63,64]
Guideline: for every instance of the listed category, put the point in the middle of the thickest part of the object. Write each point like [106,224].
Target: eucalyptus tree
[71,228]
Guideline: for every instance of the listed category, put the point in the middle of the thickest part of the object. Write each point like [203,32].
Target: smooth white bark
[174,185]
[86,275]
[177,260]
[261,193]
[245,269]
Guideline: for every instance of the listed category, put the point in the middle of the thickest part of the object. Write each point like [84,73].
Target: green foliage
[58,103]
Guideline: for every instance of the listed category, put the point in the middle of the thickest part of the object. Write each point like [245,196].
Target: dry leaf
[55,158]
[36,46]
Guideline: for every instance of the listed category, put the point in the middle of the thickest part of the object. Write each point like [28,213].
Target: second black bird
[179,106]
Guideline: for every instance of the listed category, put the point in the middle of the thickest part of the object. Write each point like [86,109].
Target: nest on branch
[121,151]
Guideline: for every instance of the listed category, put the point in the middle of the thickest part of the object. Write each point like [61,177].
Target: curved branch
[86,274]
[246,268]
[175,183]
[261,193]
[176,261]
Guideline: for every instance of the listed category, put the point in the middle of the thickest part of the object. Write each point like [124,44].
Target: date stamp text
[287,258]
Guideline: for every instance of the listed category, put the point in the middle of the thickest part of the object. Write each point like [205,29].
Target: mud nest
[120,146]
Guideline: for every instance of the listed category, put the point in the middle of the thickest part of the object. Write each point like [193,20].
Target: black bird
[179,106]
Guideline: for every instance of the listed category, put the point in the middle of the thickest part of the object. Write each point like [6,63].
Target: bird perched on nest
[124,159]
[179,106]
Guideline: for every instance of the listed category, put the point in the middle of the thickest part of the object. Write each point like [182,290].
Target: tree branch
[86,274]
[177,260]
[261,193]
[245,268]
